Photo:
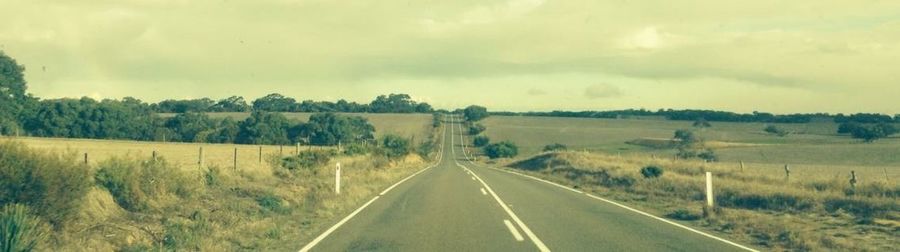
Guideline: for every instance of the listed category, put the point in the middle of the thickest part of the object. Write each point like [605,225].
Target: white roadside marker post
[337,179]
[709,190]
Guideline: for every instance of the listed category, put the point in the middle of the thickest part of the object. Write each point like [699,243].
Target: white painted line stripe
[401,181]
[321,237]
[483,191]
[473,178]
[513,230]
[537,241]
[671,222]
[541,180]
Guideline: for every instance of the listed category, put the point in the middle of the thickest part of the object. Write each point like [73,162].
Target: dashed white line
[513,230]
[483,191]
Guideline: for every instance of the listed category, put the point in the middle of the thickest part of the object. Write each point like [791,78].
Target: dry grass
[813,213]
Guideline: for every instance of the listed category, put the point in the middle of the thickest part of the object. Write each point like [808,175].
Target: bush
[481,141]
[702,123]
[475,113]
[872,133]
[772,129]
[503,149]
[687,137]
[683,214]
[476,129]
[651,172]
[138,185]
[269,202]
[555,147]
[425,148]
[708,155]
[394,146]
[51,185]
[19,230]
[847,127]
[307,159]
[357,149]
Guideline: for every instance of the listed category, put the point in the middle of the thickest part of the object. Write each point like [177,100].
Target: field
[813,150]
[406,125]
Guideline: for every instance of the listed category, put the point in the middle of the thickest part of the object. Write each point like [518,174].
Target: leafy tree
[503,149]
[331,129]
[687,137]
[481,141]
[190,127]
[231,104]
[183,106]
[555,147]
[274,103]
[395,146]
[436,120]
[475,113]
[476,129]
[848,127]
[13,99]
[874,132]
[264,128]
[226,131]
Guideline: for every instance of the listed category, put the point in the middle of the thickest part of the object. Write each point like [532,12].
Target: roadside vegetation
[768,211]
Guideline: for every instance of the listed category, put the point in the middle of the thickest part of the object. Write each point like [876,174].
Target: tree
[398,103]
[686,137]
[555,147]
[13,99]
[475,113]
[190,127]
[231,104]
[476,129]
[274,102]
[481,141]
[264,128]
[183,106]
[226,131]
[874,132]
[331,129]
[503,149]
[848,127]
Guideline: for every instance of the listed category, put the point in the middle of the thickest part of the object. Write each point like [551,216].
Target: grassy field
[406,125]
[814,149]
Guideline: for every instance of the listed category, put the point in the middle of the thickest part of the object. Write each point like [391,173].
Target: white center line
[513,230]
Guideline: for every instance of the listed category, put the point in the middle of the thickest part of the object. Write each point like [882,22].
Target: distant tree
[686,137]
[183,106]
[226,131]
[476,129]
[555,147]
[848,127]
[331,129]
[190,127]
[13,99]
[874,132]
[772,129]
[702,123]
[264,128]
[398,103]
[395,146]
[481,141]
[436,120]
[274,102]
[503,149]
[475,113]
[231,104]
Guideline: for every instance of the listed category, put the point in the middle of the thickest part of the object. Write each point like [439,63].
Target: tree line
[275,102]
[713,115]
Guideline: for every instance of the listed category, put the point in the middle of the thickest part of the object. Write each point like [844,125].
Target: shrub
[702,123]
[555,147]
[425,148]
[19,230]
[481,141]
[708,155]
[357,149]
[307,159]
[137,185]
[269,202]
[772,129]
[651,172]
[213,176]
[847,127]
[394,146]
[872,133]
[476,129]
[475,113]
[501,150]
[51,185]
[687,137]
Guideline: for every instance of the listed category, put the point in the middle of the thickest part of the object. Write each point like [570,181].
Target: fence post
[235,159]
[200,158]
[787,172]
[154,155]
[886,178]
[281,150]
[85,158]
[742,166]
[709,190]
[260,154]
[337,179]
[853,179]
[297,151]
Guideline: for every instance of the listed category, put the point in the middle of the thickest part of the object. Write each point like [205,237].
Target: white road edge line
[514,231]
[537,241]
[635,210]
[324,235]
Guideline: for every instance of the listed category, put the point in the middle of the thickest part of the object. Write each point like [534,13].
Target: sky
[513,55]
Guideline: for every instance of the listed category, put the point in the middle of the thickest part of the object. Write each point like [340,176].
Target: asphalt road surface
[457,205]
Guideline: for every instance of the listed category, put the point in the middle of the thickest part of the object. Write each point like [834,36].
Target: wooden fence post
[853,179]
[154,155]
[235,159]
[787,172]
[742,166]
[200,158]
[886,178]
[260,154]
[85,158]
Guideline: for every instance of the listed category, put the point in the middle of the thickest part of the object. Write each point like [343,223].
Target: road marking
[512,229]
[537,241]
[636,211]
[324,235]
[473,178]
[321,237]
[483,191]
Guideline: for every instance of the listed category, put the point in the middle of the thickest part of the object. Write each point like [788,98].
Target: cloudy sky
[766,55]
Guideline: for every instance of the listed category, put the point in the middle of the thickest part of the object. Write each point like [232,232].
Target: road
[457,205]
